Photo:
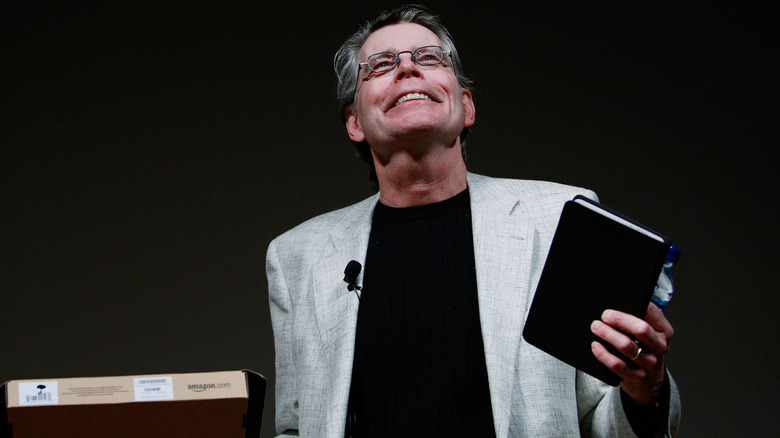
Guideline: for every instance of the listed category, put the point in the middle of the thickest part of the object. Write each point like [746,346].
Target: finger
[623,343]
[636,328]
[640,383]
[656,318]
[619,366]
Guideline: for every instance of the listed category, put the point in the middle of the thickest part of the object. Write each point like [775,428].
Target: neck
[406,180]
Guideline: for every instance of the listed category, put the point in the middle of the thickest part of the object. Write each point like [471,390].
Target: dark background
[150,153]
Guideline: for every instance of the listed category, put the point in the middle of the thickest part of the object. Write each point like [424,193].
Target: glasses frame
[397,58]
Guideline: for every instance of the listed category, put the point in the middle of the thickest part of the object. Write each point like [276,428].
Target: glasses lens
[429,55]
[381,61]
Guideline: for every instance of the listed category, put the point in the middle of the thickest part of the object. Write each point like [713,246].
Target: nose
[406,65]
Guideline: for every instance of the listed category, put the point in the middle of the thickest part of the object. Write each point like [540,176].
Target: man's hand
[642,371]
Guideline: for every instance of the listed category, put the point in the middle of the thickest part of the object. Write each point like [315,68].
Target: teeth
[412,96]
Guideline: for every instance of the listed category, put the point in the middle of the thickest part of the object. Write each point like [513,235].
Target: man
[431,345]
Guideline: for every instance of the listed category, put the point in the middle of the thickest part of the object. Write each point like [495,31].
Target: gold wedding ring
[638,352]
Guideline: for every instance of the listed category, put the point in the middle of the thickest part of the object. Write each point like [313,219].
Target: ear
[353,125]
[468,108]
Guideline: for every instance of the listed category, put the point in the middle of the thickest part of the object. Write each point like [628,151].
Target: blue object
[664,288]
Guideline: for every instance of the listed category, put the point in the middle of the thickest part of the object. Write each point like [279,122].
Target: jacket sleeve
[601,411]
[281,318]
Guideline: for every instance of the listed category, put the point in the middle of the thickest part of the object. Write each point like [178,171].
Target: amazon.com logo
[200,387]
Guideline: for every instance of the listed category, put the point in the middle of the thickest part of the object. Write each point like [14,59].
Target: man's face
[379,118]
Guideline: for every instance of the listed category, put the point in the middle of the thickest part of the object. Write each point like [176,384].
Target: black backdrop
[150,153]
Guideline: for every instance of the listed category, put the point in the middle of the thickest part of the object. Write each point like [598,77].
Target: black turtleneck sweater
[419,367]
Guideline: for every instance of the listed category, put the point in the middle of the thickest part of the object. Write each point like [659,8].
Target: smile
[411,96]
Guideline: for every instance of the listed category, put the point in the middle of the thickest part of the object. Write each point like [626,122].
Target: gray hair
[346,62]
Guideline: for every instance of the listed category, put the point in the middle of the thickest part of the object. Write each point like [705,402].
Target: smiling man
[431,344]
[411,115]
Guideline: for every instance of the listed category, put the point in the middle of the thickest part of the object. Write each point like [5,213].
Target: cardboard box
[213,405]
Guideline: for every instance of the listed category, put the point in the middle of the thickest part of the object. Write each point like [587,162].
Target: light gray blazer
[314,318]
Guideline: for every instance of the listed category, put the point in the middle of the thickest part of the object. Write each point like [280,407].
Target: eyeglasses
[386,61]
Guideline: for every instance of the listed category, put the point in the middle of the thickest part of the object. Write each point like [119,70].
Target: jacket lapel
[336,308]
[503,250]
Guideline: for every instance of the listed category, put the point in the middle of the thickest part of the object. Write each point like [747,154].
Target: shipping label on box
[126,389]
